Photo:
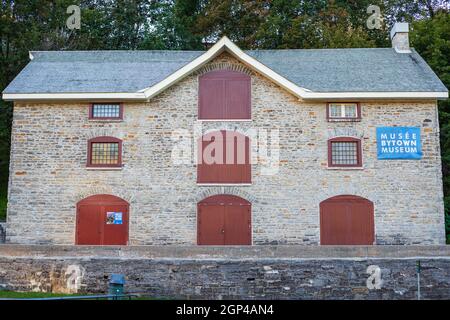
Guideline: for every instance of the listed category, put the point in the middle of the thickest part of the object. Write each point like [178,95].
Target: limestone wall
[49,175]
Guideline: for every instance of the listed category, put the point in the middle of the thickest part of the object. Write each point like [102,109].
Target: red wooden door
[210,221]
[237,224]
[102,220]
[224,220]
[347,220]
[89,222]
[115,232]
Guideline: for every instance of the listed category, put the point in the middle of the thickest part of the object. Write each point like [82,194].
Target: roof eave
[375,95]
[140,96]
[113,96]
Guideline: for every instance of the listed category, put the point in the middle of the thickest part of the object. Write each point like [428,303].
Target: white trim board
[74,96]
[222,45]
[329,96]
[375,95]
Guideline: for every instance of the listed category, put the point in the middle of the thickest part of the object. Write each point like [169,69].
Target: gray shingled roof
[319,70]
[353,70]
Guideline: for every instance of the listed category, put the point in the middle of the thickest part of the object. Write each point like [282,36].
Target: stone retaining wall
[270,272]
[2,232]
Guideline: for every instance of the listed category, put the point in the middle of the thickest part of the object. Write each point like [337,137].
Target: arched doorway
[347,220]
[224,220]
[102,220]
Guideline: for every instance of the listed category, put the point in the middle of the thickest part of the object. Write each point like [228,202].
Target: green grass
[17,295]
[33,295]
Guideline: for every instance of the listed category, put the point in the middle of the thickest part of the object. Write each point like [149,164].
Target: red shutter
[234,171]
[237,92]
[224,94]
[212,98]
[210,173]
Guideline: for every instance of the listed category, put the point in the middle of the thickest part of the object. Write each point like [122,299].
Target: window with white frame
[106,111]
[343,111]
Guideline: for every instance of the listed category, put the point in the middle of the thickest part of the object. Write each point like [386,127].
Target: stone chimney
[400,37]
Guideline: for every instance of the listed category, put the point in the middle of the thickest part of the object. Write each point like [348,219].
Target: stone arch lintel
[231,190]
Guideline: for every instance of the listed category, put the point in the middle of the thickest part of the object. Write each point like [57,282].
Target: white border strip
[214,51]
[306,96]
[74,96]
[375,95]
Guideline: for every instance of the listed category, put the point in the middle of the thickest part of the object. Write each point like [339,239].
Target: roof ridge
[170,51]
[320,49]
[127,51]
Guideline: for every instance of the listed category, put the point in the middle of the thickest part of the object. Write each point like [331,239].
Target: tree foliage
[27,25]
[431,37]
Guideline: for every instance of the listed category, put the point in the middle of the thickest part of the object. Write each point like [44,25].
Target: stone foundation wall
[2,232]
[282,272]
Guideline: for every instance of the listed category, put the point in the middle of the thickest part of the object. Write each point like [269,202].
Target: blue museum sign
[399,143]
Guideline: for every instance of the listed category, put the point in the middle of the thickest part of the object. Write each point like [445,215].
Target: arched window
[224,220]
[104,152]
[224,157]
[344,152]
[347,220]
[224,94]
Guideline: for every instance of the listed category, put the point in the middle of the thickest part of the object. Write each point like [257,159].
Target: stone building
[226,147]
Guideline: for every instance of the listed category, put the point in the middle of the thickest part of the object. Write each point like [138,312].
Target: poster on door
[114,218]
[398,143]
